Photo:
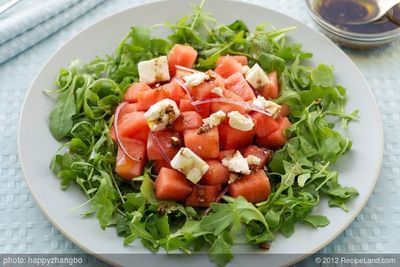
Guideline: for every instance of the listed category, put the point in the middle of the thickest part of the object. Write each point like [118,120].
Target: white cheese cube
[232,178]
[245,69]
[154,70]
[237,163]
[240,122]
[162,113]
[215,119]
[253,160]
[218,91]
[196,78]
[190,164]
[256,77]
[267,105]
[194,175]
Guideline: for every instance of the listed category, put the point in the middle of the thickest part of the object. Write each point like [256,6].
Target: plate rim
[356,210]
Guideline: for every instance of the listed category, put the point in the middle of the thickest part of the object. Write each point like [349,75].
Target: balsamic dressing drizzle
[337,11]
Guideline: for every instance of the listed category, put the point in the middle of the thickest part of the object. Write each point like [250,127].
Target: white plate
[359,168]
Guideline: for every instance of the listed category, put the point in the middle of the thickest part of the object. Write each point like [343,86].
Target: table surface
[25,229]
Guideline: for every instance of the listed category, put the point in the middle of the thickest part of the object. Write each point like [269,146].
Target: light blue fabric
[24,228]
[28,23]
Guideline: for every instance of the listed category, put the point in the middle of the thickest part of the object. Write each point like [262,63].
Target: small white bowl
[351,38]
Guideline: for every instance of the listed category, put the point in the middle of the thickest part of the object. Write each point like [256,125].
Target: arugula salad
[194,141]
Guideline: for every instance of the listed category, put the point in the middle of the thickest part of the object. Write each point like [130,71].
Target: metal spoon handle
[394,15]
[385,6]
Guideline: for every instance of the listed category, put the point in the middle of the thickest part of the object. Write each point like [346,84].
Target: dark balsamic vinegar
[337,12]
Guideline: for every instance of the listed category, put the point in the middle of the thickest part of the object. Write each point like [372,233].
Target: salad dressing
[337,12]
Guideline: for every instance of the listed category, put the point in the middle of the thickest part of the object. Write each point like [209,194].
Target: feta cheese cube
[215,119]
[267,105]
[240,122]
[196,78]
[256,77]
[154,70]
[233,177]
[237,163]
[245,69]
[162,113]
[253,160]
[190,164]
[218,91]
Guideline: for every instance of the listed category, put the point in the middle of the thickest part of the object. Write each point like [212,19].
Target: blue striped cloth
[34,21]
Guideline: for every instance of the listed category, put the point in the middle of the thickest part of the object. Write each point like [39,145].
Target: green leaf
[140,36]
[184,236]
[248,212]
[159,46]
[67,177]
[293,51]
[276,164]
[338,195]
[342,192]
[302,178]
[273,218]
[208,63]
[129,239]
[338,202]
[228,215]
[77,146]
[138,229]
[147,189]
[287,228]
[329,97]
[270,62]
[221,251]
[60,118]
[162,225]
[317,220]
[220,219]
[133,202]
[257,234]
[122,227]
[323,76]
[238,25]
[103,200]
[108,102]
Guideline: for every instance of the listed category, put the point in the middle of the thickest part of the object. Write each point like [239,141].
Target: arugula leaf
[158,226]
[338,195]
[293,51]
[147,189]
[134,201]
[209,62]
[184,237]
[60,119]
[221,218]
[323,76]
[273,218]
[248,212]
[104,200]
[271,62]
[140,36]
[67,177]
[238,26]
[221,250]
[122,227]
[228,217]
[317,220]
